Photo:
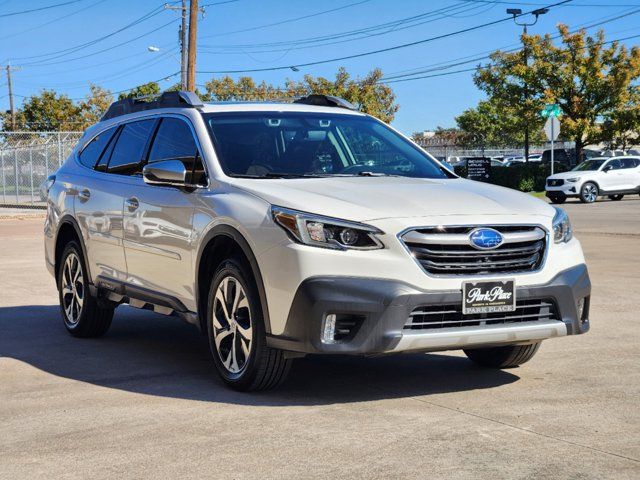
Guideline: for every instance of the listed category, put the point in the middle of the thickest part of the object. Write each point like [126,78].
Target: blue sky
[49,45]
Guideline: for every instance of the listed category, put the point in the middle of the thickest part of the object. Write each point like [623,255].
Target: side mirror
[166,172]
[607,168]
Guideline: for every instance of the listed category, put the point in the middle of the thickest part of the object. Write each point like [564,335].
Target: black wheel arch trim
[234,234]
[68,219]
[594,182]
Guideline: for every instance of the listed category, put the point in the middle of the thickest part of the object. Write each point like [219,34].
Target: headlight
[326,232]
[562,231]
[573,180]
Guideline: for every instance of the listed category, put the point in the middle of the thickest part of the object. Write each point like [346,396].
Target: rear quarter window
[92,152]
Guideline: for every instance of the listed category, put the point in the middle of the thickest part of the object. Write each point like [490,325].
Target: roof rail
[166,100]
[325,101]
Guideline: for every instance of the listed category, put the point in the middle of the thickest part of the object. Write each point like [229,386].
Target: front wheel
[236,331]
[616,198]
[503,357]
[82,315]
[589,192]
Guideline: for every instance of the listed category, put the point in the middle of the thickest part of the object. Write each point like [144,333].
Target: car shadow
[152,354]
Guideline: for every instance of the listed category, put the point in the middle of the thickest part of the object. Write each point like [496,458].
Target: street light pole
[516,12]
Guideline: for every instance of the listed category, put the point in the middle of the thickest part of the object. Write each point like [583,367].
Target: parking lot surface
[144,401]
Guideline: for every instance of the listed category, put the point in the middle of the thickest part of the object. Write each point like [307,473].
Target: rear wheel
[82,315]
[237,337]
[616,198]
[589,192]
[503,357]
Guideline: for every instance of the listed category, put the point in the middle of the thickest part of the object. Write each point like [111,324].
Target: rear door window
[629,163]
[128,152]
[92,152]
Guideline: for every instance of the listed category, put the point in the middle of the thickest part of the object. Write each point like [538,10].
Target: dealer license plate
[488,296]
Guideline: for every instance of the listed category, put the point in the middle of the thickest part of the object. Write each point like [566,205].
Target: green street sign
[551,110]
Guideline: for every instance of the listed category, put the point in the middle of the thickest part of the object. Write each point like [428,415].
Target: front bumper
[382,307]
[569,189]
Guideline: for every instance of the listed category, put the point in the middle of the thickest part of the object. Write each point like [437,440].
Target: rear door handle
[84,194]
[132,204]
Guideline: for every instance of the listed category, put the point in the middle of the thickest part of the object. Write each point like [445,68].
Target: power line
[69,50]
[282,22]
[42,63]
[218,3]
[506,2]
[39,9]
[381,50]
[511,50]
[367,32]
[62,17]
[480,67]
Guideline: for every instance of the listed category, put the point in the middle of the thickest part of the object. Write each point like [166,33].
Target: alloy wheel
[72,289]
[590,193]
[232,327]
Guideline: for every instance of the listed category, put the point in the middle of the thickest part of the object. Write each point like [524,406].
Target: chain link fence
[26,160]
[446,152]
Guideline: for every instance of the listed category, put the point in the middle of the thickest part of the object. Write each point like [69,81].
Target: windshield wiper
[288,175]
[378,174]
[278,175]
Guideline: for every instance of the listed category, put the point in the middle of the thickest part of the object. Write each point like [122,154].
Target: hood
[370,198]
[565,175]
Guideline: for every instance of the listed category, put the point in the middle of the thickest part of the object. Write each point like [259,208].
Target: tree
[440,137]
[621,129]
[367,93]
[590,81]
[47,111]
[145,90]
[493,124]
[95,105]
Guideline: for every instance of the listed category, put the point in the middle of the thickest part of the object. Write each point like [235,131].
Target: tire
[236,331]
[589,192]
[81,314]
[616,198]
[503,357]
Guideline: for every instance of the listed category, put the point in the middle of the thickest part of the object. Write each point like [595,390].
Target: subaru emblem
[485,238]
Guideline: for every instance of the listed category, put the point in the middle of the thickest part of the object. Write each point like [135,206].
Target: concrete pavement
[144,400]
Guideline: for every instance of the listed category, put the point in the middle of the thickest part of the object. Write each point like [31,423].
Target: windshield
[301,144]
[589,165]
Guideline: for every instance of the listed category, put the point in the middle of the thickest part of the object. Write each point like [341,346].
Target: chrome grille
[450,316]
[448,251]
[555,182]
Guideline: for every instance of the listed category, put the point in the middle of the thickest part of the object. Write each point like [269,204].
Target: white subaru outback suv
[285,229]
[613,177]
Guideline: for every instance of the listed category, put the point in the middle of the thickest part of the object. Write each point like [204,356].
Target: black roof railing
[325,101]
[166,100]
[190,99]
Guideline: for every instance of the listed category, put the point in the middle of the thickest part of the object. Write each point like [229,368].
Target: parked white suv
[613,177]
[284,229]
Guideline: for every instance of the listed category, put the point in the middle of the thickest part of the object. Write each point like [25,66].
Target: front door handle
[84,194]
[132,204]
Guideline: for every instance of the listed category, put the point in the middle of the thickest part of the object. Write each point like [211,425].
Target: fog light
[329,329]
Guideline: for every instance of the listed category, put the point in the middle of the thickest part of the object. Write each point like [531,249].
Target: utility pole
[182,37]
[517,12]
[11,107]
[183,46]
[193,33]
